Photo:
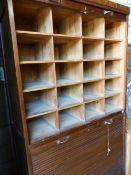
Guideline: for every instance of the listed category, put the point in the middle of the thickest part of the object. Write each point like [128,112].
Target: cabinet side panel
[12,77]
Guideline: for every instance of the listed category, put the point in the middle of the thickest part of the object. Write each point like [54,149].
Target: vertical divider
[104,63]
[57,112]
[123,62]
[72,25]
[44,20]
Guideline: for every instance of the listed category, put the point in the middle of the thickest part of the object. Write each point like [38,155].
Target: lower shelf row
[51,123]
[65,97]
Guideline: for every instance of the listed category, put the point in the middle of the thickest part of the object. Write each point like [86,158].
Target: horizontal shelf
[67,101]
[38,107]
[87,40]
[94,110]
[111,41]
[93,114]
[69,61]
[36,62]
[33,86]
[111,92]
[111,108]
[68,120]
[94,79]
[66,82]
[92,97]
[42,127]
[111,76]
[93,59]
[71,117]
[112,59]
[38,36]
[56,61]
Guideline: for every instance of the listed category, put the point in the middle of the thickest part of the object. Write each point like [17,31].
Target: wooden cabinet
[65,64]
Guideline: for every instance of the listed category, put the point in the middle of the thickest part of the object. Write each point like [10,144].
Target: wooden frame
[62,61]
[80,54]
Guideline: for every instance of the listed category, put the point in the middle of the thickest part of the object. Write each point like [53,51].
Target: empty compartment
[112,87]
[70,95]
[68,73]
[93,27]
[66,22]
[93,90]
[93,70]
[71,117]
[42,127]
[37,51]
[38,76]
[68,49]
[93,50]
[39,102]
[112,68]
[33,17]
[113,30]
[113,104]
[94,110]
[113,51]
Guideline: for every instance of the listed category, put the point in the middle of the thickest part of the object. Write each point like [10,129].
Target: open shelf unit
[36,51]
[40,102]
[113,104]
[112,87]
[112,50]
[72,67]
[113,29]
[66,73]
[113,69]
[70,95]
[93,27]
[38,76]
[93,70]
[66,22]
[93,50]
[93,90]
[68,50]
[71,117]
[94,110]
[45,125]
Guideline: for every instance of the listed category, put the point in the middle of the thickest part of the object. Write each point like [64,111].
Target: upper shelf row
[66,50]
[50,20]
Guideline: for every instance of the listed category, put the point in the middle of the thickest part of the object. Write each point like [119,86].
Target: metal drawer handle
[63,140]
[109,122]
[106,12]
[57,1]
[85,11]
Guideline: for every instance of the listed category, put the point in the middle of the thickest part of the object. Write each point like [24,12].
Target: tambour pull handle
[57,1]
[86,11]
[63,140]
[108,12]
[108,122]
